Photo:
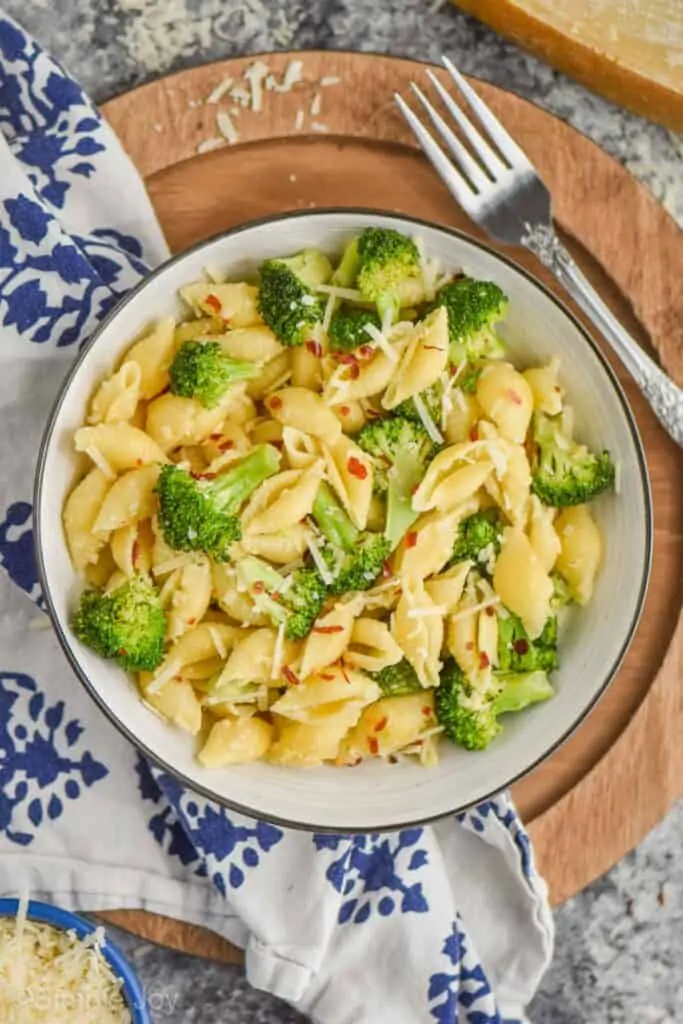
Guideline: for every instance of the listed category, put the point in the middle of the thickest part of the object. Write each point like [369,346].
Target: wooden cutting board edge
[608,823]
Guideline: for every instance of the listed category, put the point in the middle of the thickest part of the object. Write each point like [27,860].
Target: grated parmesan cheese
[329,313]
[427,421]
[316,105]
[256,75]
[475,608]
[241,95]
[166,671]
[299,120]
[382,342]
[221,649]
[220,90]
[320,563]
[179,562]
[98,458]
[318,126]
[423,613]
[226,127]
[350,294]
[278,651]
[329,80]
[50,975]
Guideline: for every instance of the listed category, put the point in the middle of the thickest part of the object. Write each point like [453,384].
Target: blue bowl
[66,921]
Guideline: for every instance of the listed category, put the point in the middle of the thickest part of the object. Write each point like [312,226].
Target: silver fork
[503,193]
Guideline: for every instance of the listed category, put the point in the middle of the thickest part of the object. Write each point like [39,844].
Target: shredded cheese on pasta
[278,651]
[350,294]
[164,674]
[98,458]
[382,342]
[427,421]
[473,609]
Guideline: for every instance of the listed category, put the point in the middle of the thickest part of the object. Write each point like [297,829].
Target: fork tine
[466,164]
[459,188]
[491,161]
[506,144]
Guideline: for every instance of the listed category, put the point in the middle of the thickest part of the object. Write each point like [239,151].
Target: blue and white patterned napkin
[448,923]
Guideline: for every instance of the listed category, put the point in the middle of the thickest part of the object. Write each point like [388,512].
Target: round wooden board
[619,774]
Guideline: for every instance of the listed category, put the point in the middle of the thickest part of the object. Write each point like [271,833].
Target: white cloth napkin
[447,923]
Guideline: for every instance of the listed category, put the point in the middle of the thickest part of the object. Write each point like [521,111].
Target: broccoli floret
[354,557]
[296,599]
[201,515]
[203,371]
[475,534]
[288,301]
[397,680]
[562,471]
[388,269]
[347,328]
[469,379]
[470,717]
[127,625]
[561,593]
[473,307]
[385,438]
[518,653]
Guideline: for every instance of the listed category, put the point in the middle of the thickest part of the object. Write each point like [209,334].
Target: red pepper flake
[328,629]
[514,396]
[382,724]
[469,646]
[386,571]
[427,711]
[215,437]
[373,745]
[344,410]
[354,371]
[214,302]
[122,652]
[356,468]
[274,402]
[411,539]
[372,414]
[484,660]
[366,351]
[191,621]
[344,673]
[326,675]
[208,476]
[392,759]
[432,348]
[225,446]
[315,348]
[474,433]
[290,676]
[490,611]
[346,358]
[138,462]
[414,489]
[520,646]
[258,588]
[557,388]
[135,553]
[276,596]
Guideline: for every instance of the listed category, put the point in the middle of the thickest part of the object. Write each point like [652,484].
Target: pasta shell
[300,408]
[334,686]
[417,627]
[372,647]
[362,379]
[388,726]
[130,498]
[544,539]
[330,635]
[153,354]
[301,449]
[306,744]
[173,421]
[119,446]
[581,551]
[446,589]
[190,598]
[284,503]
[282,547]
[429,544]
[452,478]
[546,392]
[423,361]
[506,398]
[117,397]
[349,471]
[177,702]
[236,304]
[236,741]
[522,583]
[274,374]
[80,512]
[251,344]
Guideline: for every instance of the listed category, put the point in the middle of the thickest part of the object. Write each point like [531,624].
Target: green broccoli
[383,439]
[562,471]
[346,273]
[476,533]
[288,300]
[128,625]
[388,270]
[518,653]
[561,593]
[470,717]
[474,307]
[296,599]
[347,328]
[201,515]
[203,371]
[397,680]
[354,557]
[469,379]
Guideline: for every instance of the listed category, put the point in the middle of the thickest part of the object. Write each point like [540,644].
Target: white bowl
[372,796]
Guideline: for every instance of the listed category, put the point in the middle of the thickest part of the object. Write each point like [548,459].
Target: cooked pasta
[318,533]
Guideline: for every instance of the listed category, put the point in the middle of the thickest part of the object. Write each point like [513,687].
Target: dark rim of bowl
[66,920]
[357,213]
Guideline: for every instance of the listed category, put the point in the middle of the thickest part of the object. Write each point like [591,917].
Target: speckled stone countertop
[618,958]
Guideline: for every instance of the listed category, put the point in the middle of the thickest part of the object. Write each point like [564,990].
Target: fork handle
[665,397]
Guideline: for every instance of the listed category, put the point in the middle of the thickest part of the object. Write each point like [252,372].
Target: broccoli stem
[233,487]
[521,689]
[403,478]
[333,521]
